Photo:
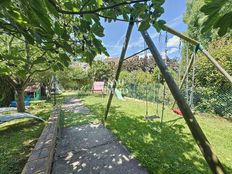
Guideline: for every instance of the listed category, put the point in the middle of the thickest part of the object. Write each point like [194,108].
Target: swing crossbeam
[136,54]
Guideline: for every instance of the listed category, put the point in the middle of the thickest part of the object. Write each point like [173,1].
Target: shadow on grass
[166,150]
[17,139]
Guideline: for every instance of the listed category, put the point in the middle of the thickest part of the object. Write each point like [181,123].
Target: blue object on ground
[27,98]
[14,103]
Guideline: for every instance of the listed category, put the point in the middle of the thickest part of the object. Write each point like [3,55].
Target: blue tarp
[26,102]
[14,116]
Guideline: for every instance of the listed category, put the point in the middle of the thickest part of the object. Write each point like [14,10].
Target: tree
[39,23]
[52,27]
[74,77]
[218,14]
[212,90]
[67,27]
[19,62]
[100,71]
[74,26]
[193,18]
[222,51]
[204,17]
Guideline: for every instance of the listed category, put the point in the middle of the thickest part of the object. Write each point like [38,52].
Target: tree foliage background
[207,23]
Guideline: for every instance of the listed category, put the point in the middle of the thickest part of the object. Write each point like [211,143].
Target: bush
[214,101]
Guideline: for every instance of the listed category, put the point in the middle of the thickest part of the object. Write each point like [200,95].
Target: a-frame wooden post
[123,53]
[199,136]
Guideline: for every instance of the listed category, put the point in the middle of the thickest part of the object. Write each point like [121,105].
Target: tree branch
[36,71]
[10,81]
[9,44]
[27,55]
[117,19]
[33,63]
[96,10]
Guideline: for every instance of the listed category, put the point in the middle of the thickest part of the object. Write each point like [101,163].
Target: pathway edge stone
[41,157]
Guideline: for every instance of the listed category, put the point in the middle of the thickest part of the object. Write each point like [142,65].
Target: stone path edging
[40,160]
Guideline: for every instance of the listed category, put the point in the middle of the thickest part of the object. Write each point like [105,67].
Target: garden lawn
[18,137]
[170,149]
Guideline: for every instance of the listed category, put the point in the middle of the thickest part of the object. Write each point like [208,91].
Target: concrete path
[91,149]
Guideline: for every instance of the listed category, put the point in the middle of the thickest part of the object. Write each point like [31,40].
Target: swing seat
[177,111]
[152,117]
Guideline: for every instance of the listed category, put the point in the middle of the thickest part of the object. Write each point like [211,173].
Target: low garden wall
[40,160]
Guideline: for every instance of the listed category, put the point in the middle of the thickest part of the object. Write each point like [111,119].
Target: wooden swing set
[197,133]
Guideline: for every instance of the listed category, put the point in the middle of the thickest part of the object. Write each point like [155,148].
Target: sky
[173,15]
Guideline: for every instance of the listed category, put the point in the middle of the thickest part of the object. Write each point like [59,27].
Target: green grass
[170,149]
[18,137]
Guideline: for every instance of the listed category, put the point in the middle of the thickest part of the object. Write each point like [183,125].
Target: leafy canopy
[218,15]
[73,27]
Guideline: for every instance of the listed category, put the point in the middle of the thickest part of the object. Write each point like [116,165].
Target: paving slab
[92,149]
[75,105]
[103,159]
[82,137]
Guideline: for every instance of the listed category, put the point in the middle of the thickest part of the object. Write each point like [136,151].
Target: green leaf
[85,25]
[41,14]
[99,3]
[57,28]
[97,29]
[158,3]
[40,60]
[64,34]
[224,23]
[144,25]
[98,45]
[51,8]
[68,5]
[64,59]
[209,9]
[209,22]
[138,9]
[4,2]
[158,25]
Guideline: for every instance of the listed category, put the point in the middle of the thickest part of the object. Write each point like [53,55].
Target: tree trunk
[43,91]
[20,100]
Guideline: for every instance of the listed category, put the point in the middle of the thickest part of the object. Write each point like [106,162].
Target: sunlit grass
[18,137]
